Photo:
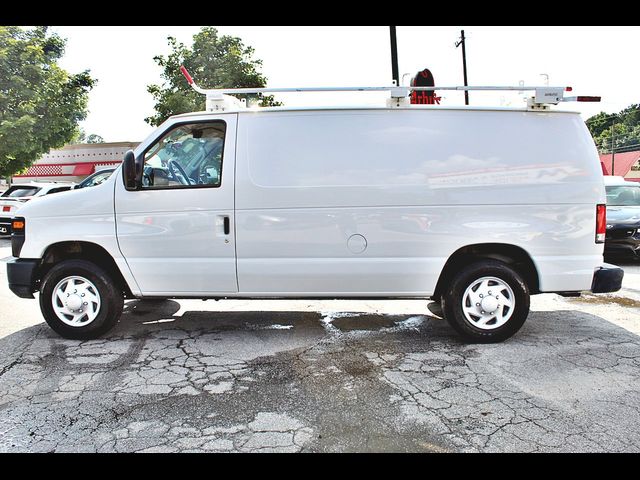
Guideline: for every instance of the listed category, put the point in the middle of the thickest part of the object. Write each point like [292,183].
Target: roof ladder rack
[221,99]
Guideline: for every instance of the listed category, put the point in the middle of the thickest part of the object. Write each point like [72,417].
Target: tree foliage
[94,138]
[215,62]
[40,103]
[82,137]
[619,131]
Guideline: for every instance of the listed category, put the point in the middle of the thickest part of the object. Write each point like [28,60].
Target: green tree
[94,138]
[40,103]
[619,132]
[599,123]
[215,62]
[82,137]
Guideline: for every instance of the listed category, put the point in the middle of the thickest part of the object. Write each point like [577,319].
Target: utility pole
[464,65]
[394,55]
[613,152]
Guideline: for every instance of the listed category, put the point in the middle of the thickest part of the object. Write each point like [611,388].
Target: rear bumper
[21,275]
[607,278]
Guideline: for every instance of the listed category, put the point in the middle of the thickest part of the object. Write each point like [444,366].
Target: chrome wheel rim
[488,303]
[76,301]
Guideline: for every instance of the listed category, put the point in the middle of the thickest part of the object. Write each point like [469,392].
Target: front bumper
[5,226]
[622,249]
[607,278]
[21,273]
[622,241]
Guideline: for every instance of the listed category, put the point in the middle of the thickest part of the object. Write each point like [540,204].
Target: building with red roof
[625,164]
[72,163]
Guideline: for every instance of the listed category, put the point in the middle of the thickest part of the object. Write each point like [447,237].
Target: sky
[593,60]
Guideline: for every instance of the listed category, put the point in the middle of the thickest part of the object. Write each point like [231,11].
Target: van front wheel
[79,300]
[486,302]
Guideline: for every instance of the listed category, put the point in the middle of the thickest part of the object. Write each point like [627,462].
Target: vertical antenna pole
[613,148]
[394,55]
[464,68]
[464,64]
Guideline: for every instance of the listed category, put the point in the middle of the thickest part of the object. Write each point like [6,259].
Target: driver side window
[187,156]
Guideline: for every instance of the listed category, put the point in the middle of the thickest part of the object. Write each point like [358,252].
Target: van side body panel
[373,202]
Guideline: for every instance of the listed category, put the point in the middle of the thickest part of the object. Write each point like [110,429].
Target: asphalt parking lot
[289,376]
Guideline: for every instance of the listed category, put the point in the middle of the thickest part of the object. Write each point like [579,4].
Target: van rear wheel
[486,302]
[79,300]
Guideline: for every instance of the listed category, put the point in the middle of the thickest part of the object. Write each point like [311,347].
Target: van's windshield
[623,195]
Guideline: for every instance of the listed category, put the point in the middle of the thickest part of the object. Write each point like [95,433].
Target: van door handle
[227,230]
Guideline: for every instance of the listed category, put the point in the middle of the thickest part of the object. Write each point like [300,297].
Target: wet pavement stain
[603,299]
[356,321]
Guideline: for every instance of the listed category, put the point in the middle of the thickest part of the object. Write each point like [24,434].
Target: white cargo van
[474,207]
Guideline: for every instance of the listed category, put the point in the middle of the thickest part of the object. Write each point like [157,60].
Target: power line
[626,136]
[622,135]
[625,146]
[618,149]
[607,141]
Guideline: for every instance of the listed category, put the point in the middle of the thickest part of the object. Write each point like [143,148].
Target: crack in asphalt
[569,381]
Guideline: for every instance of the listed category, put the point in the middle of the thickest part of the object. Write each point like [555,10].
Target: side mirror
[132,171]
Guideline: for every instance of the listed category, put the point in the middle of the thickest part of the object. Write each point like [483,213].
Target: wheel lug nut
[482,312]
[480,295]
[82,295]
[489,292]
[477,304]
[84,303]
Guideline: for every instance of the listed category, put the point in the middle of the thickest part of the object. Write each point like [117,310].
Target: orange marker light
[17,225]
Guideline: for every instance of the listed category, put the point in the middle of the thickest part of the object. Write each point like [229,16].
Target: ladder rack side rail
[241,91]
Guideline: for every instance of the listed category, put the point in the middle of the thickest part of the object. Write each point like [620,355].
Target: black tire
[452,302]
[111,299]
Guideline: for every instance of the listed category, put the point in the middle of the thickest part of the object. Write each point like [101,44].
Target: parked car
[623,218]
[16,195]
[474,207]
[96,178]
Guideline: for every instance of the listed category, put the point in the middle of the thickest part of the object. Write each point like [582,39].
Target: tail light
[601,222]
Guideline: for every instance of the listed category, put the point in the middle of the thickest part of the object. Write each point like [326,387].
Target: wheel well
[83,251]
[515,257]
